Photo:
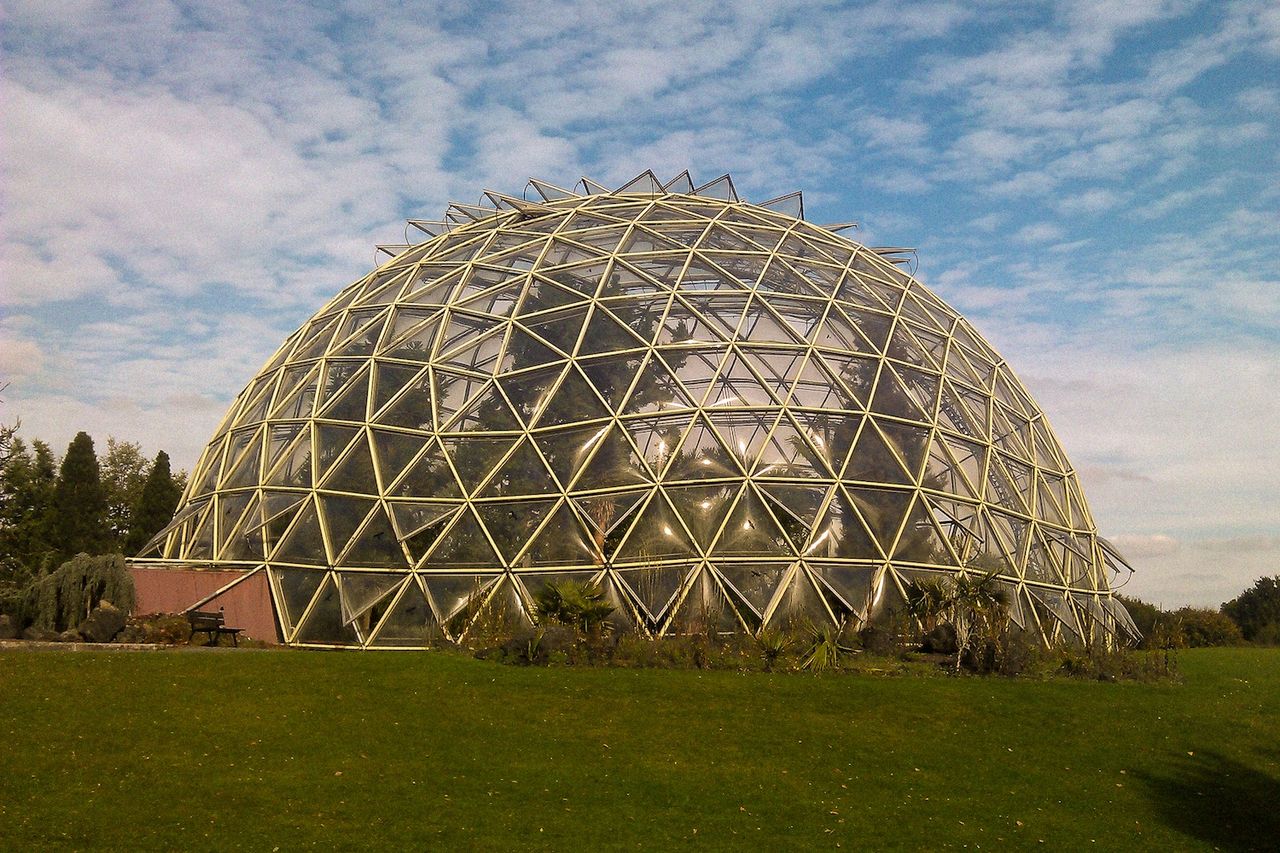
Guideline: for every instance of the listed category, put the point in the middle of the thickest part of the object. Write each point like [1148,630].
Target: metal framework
[714,409]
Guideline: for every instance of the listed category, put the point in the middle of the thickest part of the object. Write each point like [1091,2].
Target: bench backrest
[205,619]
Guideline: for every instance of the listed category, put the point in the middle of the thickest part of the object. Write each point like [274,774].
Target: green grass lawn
[287,749]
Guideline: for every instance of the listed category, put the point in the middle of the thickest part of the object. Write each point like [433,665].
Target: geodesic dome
[715,410]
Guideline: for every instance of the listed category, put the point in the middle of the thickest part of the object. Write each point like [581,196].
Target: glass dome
[715,410]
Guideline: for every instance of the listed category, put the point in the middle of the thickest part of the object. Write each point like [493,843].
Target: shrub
[824,649]
[61,599]
[1201,627]
[581,606]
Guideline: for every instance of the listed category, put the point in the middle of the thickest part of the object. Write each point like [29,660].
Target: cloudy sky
[1095,184]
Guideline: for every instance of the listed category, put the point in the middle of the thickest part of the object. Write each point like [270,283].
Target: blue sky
[1095,184]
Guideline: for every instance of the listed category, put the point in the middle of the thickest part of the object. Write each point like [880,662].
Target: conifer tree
[80,502]
[155,506]
[26,509]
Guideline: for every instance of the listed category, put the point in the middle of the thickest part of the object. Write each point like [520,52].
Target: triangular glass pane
[656,534]
[524,350]
[363,340]
[703,509]
[683,327]
[230,510]
[702,455]
[297,392]
[655,587]
[613,462]
[512,523]
[795,508]
[343,516]
[874,461]
[394,451]
[358,591]
[351,402]
[529,391]
[680,184]
[427,475]
[324,624]
[884,512]
[522,473]
[842,532]
[605,333]
[573,401]
[376,545]
[474,457]
[354,473]
[296,588]
[391,379]
[476,355]
[707,608]
[420,524]
[304,542]
[433,285]
[452,392]
[755,582]
[609,517]
[316,341]
[892,398]
[853,584]
[463,544]
[245,470]
[736,385]
[855,375]
[655,390]
[409,622]
[563,540]
[751,530]
[922,540]
[412,409]
[645,182]
[721,188]
[488,411]
[800,605]
[454,593]
[813,446]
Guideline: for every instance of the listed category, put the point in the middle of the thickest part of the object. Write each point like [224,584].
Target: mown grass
[282,749]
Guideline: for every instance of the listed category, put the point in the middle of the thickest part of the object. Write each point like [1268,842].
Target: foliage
[157,500]
[581,606]
[80,501]
[974,605]
[1202,627]
[773,645]
[824,650]
[27,483]
[1186,627]
[124,471]
[1257,610]
[1145,616]
[61,599]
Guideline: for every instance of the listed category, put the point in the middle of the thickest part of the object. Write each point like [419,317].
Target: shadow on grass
[1219,800]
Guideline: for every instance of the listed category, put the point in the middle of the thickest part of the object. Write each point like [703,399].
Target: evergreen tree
[26,506]
[155,506]
[80,502]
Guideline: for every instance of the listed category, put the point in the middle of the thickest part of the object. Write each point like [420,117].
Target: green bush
[1201,627]
[60,600]
[581,606]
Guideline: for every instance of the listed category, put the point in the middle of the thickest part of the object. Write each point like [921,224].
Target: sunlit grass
[221,750]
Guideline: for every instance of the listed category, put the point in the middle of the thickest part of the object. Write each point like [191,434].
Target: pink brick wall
[246,605]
